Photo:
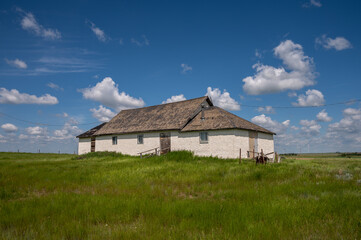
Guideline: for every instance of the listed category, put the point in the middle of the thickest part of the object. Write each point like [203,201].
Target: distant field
[178,196]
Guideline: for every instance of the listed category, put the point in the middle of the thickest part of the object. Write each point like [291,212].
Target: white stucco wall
[84,145]
[127,143]
[265,142]
[221,143]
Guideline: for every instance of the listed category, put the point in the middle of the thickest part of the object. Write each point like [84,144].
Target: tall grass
[177,196]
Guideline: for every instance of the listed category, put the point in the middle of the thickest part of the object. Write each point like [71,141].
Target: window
[115,140]
[140,139]
[203,137]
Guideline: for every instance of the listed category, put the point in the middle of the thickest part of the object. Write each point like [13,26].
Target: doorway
[92,144]
[253,143]
[164,143]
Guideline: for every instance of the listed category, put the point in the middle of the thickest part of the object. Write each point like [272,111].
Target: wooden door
[164,143]
[92,144]
[252,143]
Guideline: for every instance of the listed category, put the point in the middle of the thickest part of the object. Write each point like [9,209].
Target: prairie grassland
[178,196]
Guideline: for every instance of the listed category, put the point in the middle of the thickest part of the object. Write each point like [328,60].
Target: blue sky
[66,66]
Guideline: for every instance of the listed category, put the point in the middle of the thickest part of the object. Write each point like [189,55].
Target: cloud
[323,116]
[55,86]
[266,109]
[258,54]
[23,136]
[311,128]
[175,98]
[140,43]
[98,32]
[17,63]
[36,130]
[313,97]
[9,128]
[186,68]
[223,100]
[30,24]
[269,79]
[69,131]
[348,129]
[338,43]
[102,114]
[292,94]
[314,3]
[268,123]
[121,42]
[66,65]
[62,115]
[107,93]
[15,97]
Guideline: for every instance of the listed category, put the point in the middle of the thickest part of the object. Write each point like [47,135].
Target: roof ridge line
[164,104]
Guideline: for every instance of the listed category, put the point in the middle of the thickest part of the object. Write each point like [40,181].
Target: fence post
[240,156]
[276,157]
[262,157]
[141,155]
[253,154]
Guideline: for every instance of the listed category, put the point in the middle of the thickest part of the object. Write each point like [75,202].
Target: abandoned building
[195,125]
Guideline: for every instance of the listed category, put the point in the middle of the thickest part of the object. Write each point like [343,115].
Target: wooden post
[141,155]
[240,156]
[276,157]
[262,156]
[253,154]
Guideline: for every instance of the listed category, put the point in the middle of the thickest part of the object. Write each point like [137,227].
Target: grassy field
[178,196]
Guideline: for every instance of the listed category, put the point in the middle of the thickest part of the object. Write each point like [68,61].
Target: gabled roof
[91,132]
[183,116]
[218,118]
[170,116]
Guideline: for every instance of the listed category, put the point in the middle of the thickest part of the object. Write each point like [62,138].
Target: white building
[194,125]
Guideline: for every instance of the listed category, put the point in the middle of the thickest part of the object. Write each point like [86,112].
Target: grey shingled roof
[218,118]
[164,117]
[91,132]
[183,116]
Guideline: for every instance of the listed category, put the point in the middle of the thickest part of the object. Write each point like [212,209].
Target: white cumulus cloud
[17,63]
[103,114]
[266,109]
[175,98]
[186,68]
[55,86]
[312,97]
[13,96]
[107,93]
[29,23]
[99,33]
[9,128]
[272,125]
[323,116]
[69,131]
[223,100]
[36,130]
[314,3]
[310,127]
[269,79]
[338,43]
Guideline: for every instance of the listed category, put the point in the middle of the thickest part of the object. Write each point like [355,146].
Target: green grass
[178,196]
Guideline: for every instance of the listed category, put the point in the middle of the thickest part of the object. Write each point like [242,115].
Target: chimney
[202,110]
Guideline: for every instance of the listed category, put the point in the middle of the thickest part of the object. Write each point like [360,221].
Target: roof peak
[192,99]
